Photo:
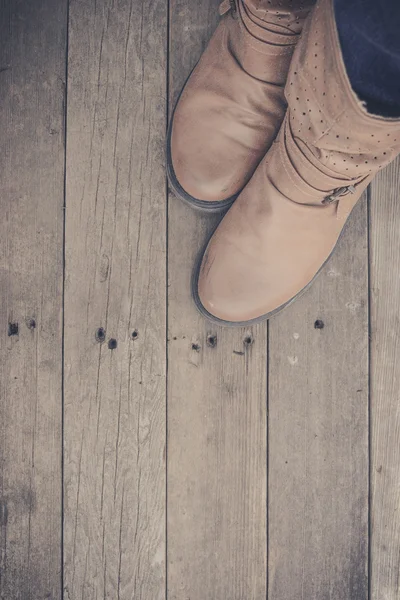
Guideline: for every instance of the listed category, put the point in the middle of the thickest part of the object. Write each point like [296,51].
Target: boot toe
[206,172]
[228,291]
[200,182]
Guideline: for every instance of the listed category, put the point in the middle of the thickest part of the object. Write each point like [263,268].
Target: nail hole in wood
[112,344]
[319,324]
[12,329]
[211,341]
[196,347]
[100,334]
[134,334]
[248,340]
[31,323]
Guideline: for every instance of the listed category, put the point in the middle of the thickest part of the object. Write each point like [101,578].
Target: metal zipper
[339,193]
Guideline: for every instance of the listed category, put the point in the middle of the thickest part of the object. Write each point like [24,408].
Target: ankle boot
[232,105]
[285,224]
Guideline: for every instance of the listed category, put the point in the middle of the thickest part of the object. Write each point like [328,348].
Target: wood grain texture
[32,75]
[318,432]
[216,402]
[385,384]
[115,280]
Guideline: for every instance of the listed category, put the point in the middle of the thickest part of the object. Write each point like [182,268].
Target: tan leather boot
[232,105]
[286,223]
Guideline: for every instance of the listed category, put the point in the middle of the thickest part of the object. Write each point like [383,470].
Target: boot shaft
[282,16]
[328,134]
[262,36]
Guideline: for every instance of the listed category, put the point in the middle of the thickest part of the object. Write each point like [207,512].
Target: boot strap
[226,6]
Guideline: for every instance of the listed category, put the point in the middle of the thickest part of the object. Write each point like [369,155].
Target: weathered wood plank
[216,403]
[115,280]
[32,75]
[318,431]
[385,385]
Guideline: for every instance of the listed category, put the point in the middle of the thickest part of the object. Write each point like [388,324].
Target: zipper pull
[226,6]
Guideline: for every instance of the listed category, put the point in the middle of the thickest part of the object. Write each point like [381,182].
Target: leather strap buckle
[339,193]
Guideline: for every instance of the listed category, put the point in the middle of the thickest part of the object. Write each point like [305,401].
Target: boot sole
[221,322]
[204,206]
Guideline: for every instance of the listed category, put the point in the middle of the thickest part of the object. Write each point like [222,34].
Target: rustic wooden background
[145,453]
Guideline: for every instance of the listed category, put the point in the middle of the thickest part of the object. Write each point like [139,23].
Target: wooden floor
[144,453]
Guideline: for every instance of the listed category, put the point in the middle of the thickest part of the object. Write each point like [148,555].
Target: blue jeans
[369,32]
